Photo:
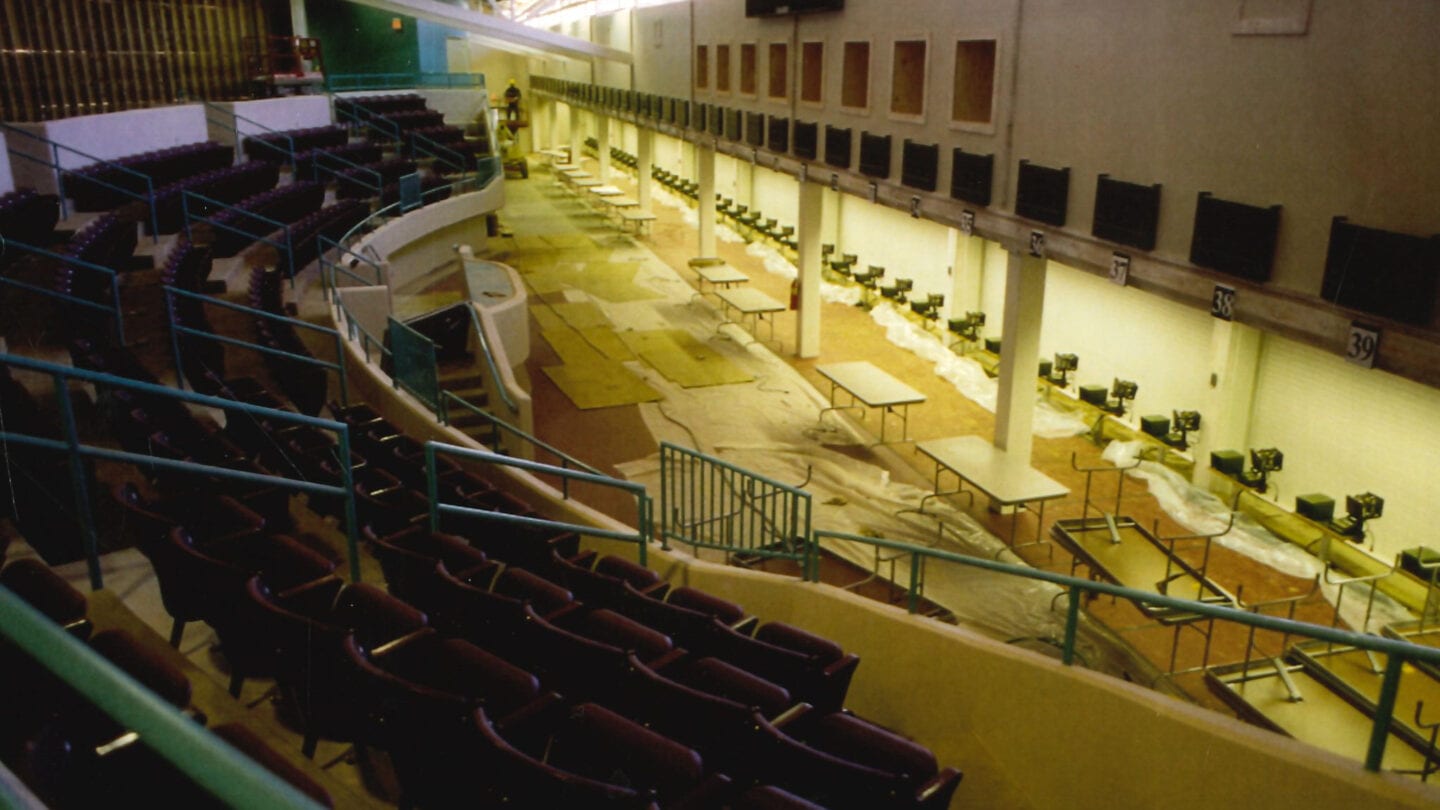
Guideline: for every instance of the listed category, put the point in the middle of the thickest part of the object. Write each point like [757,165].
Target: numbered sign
[1119,269]
[1361,346]
[1222,302]
[873,192]
[915,207]
[1037,244]
[834,182]
[967,223]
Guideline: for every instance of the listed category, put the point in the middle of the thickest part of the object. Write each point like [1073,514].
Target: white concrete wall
[107,137]
[1346,430]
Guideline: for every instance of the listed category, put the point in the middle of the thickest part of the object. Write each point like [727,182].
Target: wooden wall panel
[62,58]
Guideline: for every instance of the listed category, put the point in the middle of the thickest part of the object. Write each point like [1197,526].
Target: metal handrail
[284,247]
[116,312]
[490,359]
[55,146]
[235,132]
[643,503]
[77,452]
[1398,652]
[354,82]
[434,148]
[178,329]
[377,182]
[566,460]
[233,778]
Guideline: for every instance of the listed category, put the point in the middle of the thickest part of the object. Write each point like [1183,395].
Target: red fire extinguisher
[795,294]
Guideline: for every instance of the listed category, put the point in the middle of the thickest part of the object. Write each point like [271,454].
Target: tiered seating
[108,241]
[287,204]
[187,268]
[27,216]
[359,152]
[73,755]
[433,188]
[404,121]
[35,492]
[294,376]
[275,147]
[365,107]
[163,167]
[228,185]
[358,183]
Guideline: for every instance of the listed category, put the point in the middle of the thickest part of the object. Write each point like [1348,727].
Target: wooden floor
[612,436]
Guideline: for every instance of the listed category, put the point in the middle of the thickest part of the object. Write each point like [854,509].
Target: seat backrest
[729,681]
[848,736]
[802,641]
[374,616]
[687,597]
[521,780]
[627,634]
[459,667]
[600,744]
[145,664]
[545,596]
[48,592]
[251,745]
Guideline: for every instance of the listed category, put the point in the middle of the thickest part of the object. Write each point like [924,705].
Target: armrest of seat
[935,794]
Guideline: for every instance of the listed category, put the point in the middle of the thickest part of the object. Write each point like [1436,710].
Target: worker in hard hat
[512,102]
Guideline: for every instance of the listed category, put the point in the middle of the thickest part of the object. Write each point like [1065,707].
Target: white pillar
[1019,355]
[299,23]
[552,129]
[967,272]
[644,159]
[808,231]
[1225,414]
[602,146]
[705,168]
[576,139]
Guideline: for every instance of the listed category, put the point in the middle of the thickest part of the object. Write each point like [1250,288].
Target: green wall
[358,39]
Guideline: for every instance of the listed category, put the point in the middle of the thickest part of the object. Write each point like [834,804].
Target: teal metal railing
[77,453]
[644,510]
[706,502]
[206,207]
[148,197]
[1398,653]
[233,124]
[361,118]
[449,401]
[113,310]
[176,330]
[233,778]
[413,366]
[353,82]
[490,364]
[335,168]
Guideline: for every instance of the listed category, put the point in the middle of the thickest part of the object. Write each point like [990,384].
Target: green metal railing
[413,366]
[176,330]
[335,167]
[114,310]
[706,502]
[77,453]
[1398,653]
[504,428]
[232,777]
[235,120]
[206,207]
[148,197]
[490,364]
[644,507]
[354,82]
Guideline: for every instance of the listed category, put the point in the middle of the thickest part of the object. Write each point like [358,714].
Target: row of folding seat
[27,216]
[108,241]
[403,121]
[367,106]
[70,753]
[287,204]
[227,185]
[309,164]
[35,492]
[91,188]
[713,707]
[279,147]
[361,182]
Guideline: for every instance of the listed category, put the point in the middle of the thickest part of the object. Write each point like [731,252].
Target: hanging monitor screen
[773,8]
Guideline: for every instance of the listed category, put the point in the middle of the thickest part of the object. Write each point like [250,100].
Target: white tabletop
[606,191]
[621,202]
[869,384]
[573,170]
[1005,479]
[585,182]
[750,300]
[558,153]
[721,274]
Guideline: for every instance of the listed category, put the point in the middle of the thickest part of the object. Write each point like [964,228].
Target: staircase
[464,379]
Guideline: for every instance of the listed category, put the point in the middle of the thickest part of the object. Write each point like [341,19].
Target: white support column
[808,230]
[967,272]
[1019,356]
[602,148]
[705,168]
[577,139]
[1225,414]
[299,23]
[552,129]
[644,159]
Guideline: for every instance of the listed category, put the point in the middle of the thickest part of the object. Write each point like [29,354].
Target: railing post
[914,600]
[352,520]
[174,338]
[432,487]
[77,481]
[1072,622]
[1384,710]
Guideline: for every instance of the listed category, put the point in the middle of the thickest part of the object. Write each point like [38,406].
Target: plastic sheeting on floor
[1202,512]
